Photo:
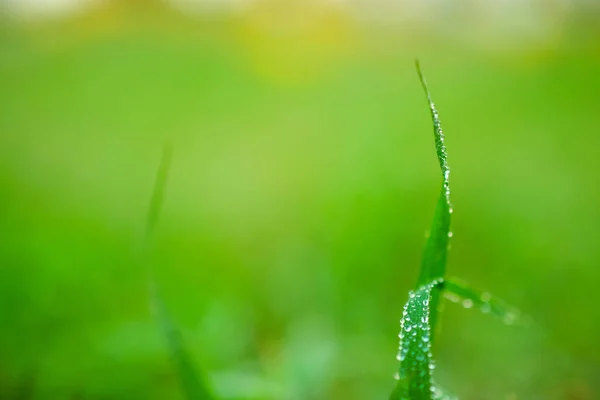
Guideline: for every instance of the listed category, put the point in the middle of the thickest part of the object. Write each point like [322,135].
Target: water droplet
[397,376]
[450,234]
[452,297]
[509,318]
[486,308]
[467,303]
[408,328]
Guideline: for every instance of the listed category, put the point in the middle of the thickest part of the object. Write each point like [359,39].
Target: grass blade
[433,265]
[416,363]
[189,378]
[192,385]
[457,291]
[158,193]
[420,312]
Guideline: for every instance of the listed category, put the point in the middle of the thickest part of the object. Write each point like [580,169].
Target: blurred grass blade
[459,292]
[189,378]
[158,192]
[193,387]
[416,364]
[433,265]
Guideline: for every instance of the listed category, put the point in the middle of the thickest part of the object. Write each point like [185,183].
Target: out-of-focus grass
[295,212]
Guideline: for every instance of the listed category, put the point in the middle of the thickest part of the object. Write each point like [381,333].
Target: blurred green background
[303,180]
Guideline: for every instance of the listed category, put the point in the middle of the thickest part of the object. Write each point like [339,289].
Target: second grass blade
[193,386]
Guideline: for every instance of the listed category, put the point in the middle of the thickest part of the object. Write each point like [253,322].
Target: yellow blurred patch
[292,42]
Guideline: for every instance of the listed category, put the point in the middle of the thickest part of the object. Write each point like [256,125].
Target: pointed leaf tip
[437,131]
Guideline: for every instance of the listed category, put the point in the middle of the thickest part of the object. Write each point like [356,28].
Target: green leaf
[433,265]
[459,292]
[192,385]
[416,363]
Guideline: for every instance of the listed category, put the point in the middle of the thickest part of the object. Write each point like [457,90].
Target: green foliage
[420,312]
[192,384]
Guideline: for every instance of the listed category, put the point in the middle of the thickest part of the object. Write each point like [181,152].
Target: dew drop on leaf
[509,318]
